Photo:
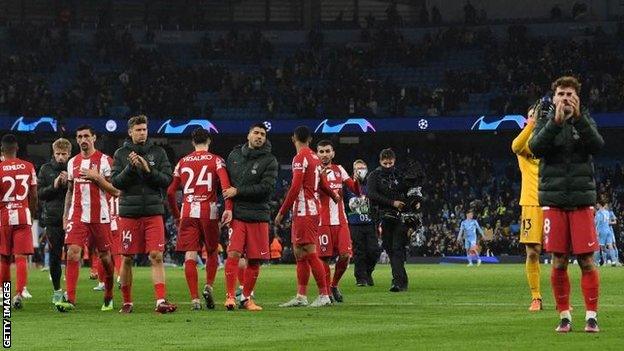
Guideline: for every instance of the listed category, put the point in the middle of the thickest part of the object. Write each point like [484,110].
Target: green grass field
[448,307]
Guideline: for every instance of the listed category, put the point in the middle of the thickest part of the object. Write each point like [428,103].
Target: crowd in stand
[316,80]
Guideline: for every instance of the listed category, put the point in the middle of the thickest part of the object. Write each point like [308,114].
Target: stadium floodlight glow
[363,123]
[481,124]
[168,128]
[20,126]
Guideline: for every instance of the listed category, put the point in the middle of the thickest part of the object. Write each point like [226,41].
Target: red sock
[231,272]
[561,288]
[101,271]
[160,291]
[108,270]
[117,260]
[212,263]
[95,263]
[590,284]
[5,268]
[341,266]
[327,272]
[319,273]
[126,292]
[303,276]
[190,272]
[241,276]
[21,273]
[251,275]
[71,275]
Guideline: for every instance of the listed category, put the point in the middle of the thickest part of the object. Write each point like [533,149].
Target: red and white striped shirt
[113,205]
[89,203]
[18,178]
[197,173]
[303,193]
[332,212]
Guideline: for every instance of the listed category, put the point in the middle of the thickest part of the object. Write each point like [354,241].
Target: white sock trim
[565,314]
[590,314]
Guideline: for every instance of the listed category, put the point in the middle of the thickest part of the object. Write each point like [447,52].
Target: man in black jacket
[52,180]
[565,139]
[253,172]
[142,172]
[387,194]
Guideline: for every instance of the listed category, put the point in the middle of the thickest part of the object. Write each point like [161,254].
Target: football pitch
[447,307]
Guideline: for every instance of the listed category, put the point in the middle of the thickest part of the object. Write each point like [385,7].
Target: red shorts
[334,240]
[250,238]
[195,232]
[96,235]
[141,235]
[304,230]
[16,240]
[115,243]
[570,231]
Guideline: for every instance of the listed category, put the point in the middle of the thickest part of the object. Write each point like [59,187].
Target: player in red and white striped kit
[303,198]
[334,237]
[18,200]
[113,206]
[198,222]
[87,214]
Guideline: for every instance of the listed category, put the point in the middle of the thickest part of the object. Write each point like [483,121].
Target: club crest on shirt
[254,168]
[150,159]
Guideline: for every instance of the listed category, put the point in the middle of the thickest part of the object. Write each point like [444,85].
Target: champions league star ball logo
[169,128]
[268,125]
[423,124]
[364,125]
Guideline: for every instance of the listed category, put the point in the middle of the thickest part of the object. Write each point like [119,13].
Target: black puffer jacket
[253,172]
[566,170]
[52,199]
[142,193]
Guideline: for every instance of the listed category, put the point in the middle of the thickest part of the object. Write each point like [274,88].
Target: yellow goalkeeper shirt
[529,166]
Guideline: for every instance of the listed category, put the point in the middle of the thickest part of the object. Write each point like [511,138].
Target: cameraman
[363,231]
[386,194]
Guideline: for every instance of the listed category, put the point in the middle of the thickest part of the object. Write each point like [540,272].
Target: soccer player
[253,172]
[468,230]
[86,215]
[334,237]
[612,223]
[113,206]
[142,172]
[52,187]
[305,222]
[605,238]
[565,141]
[18,200]
[198,222]
[532,218]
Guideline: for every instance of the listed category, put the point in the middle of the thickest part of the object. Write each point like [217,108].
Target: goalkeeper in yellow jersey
[532,219]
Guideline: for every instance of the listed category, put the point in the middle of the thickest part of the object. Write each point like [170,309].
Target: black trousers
[365,251]
[394,236]
[56,242]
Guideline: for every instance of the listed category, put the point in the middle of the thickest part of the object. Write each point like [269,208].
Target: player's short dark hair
[200,135]
[86,127]
[136,120]
[303,134]
[387,154]
[567,82]
[602,202]
[325,142]
[259,125]
[8,142]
